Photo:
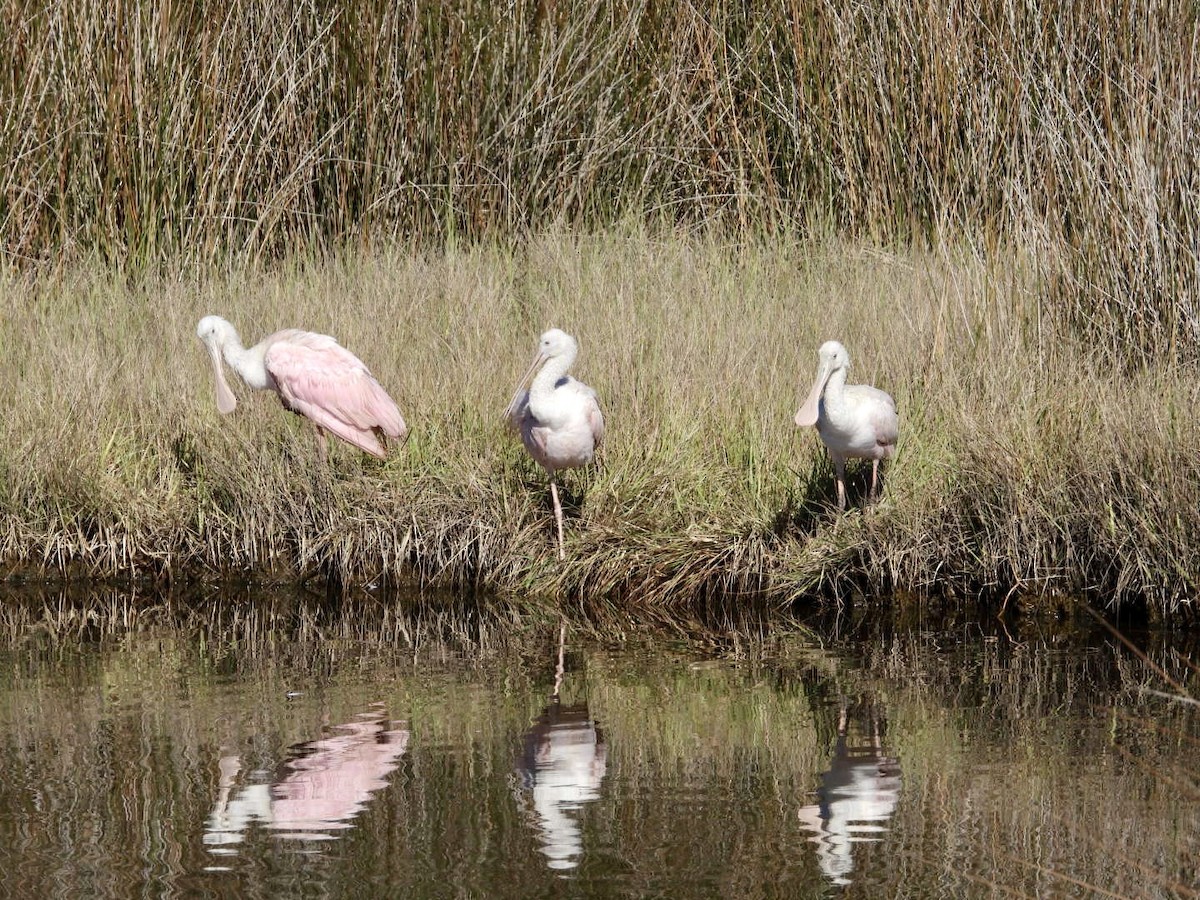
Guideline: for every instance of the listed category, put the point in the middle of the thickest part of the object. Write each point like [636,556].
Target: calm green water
[285,754]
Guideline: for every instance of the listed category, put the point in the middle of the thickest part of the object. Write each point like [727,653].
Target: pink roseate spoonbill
[558,417]
[314,376]
[854,420]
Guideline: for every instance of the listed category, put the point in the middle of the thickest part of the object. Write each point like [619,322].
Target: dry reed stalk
[1066,136]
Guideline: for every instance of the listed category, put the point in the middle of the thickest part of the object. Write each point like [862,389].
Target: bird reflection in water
[857,796]
[560,769]
[317,790]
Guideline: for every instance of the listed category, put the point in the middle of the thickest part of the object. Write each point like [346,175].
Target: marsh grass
[996,210]
[1027,465]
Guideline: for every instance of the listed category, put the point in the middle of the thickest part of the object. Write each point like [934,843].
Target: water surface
[259,749]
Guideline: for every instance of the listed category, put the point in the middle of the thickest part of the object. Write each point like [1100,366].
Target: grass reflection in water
[277,746]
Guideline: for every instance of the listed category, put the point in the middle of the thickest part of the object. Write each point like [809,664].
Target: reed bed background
[1065,131]
[996,210]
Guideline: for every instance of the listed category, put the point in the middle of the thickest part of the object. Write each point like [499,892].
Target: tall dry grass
[1064,131]
[1024,465]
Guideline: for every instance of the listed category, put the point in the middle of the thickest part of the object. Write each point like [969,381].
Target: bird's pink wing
[533,435]
[322,380]
[591,407]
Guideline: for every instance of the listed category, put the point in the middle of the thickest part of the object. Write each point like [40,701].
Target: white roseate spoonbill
[854,420]
[558,417]
[562,768]
[314,376]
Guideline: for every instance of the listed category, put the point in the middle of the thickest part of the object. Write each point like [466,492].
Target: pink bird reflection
[319,789]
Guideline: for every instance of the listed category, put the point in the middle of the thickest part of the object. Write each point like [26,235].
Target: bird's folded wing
[324,381]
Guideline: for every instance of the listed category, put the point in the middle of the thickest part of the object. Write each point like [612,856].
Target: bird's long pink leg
[558,516]
[839,475]
[322,443]
[874,476]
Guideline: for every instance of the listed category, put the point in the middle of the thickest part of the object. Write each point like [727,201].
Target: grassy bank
[996,211]
[1025,464]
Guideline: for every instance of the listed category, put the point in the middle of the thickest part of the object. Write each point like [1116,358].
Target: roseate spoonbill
[854,420]
[559,418]
[314,376]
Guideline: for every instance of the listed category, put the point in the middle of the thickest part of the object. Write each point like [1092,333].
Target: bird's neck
[834,397]
[543,384]
[248,363]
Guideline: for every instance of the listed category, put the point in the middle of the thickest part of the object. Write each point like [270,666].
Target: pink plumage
[320,379]
[314,376]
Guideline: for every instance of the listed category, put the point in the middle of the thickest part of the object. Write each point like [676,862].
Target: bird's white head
[833,355]
[214,330]
[216,333]
[831,358]
[555,343]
